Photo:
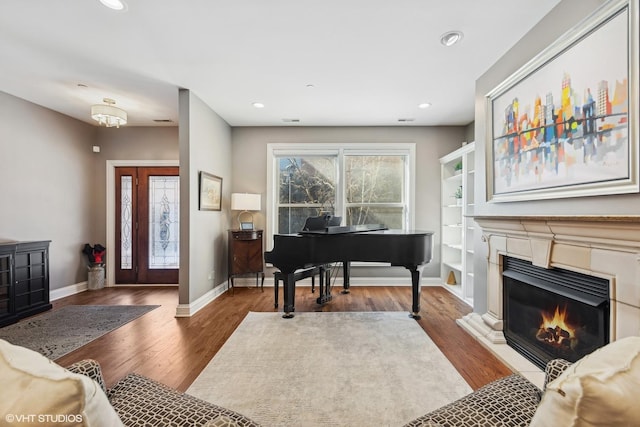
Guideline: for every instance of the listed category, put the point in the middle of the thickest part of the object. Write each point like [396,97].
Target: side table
[246,255]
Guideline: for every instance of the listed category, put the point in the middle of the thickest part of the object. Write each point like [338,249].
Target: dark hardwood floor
[175,350]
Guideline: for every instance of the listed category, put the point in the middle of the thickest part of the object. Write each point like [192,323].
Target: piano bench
[299,274]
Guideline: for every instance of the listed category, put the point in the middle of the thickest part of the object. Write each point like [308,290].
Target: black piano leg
[415,290]
[289,287]
[346,272]
[325,284]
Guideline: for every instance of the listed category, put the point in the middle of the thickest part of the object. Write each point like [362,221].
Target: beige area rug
[330,369]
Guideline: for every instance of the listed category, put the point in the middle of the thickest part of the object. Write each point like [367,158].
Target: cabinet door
[31,279]
[238,258]
[6,279]
[254,256]
[245,256]
[245,252]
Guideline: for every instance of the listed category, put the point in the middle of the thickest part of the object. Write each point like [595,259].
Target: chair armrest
[90,368]
[553,370]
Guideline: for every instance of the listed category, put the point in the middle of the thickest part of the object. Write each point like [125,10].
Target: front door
[147,225]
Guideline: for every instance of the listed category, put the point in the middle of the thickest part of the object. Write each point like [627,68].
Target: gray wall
[249,171]
[470,132]
[562,18]
[48,182]
[58,189]
[126,143]
[205,145]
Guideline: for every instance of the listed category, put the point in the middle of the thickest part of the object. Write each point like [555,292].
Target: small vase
[95,278]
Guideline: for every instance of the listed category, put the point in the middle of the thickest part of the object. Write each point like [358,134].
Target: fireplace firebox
[553,313]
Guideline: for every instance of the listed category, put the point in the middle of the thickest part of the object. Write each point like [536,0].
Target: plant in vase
[457,168]
[95,265]
[458,196]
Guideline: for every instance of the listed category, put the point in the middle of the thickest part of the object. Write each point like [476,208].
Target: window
[306,186]
[375,190]
[362,183]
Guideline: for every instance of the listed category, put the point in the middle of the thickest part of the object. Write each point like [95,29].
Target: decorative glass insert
[164,222]
[126,221]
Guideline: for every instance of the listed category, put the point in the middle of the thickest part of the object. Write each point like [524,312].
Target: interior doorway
[147,225]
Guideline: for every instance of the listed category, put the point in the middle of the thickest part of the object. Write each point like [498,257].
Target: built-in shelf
[457,224]
[457,267]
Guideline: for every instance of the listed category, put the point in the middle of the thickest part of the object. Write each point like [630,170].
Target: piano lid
[342,229]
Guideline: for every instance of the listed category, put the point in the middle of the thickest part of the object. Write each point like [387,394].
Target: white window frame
[275,150]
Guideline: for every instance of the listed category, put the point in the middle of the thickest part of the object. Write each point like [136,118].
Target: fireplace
[553,313]
[601,247]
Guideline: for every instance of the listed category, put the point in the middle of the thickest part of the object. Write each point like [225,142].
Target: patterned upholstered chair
[140,401]
[509,401]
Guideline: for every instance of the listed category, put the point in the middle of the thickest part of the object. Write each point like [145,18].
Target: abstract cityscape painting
[560,126]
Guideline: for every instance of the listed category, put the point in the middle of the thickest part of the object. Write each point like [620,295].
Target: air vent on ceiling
[163,120]
[291,120]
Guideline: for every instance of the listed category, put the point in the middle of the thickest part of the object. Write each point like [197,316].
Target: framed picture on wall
[565,124]
[210,192]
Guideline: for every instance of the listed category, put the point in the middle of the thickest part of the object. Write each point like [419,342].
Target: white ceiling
[371,61]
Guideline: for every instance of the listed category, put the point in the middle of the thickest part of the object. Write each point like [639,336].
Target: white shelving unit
[457,176]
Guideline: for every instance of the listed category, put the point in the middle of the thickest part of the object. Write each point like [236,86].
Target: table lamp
[245,202]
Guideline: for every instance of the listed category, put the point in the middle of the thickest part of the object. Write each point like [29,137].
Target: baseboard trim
[188,310]
[56,294]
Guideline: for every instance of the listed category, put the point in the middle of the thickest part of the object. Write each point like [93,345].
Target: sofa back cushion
[36,391]
[601,389]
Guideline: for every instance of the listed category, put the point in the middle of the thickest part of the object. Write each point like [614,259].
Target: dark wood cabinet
[24,280]
[246,254]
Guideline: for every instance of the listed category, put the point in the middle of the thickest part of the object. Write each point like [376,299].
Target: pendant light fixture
[109,115]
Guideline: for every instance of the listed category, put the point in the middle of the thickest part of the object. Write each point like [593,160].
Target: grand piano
[363,243]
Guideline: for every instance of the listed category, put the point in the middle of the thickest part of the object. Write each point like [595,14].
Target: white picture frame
[565,124]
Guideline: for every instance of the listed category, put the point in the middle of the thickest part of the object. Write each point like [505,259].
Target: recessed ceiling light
[450,38]
[310,86]
[114,4]
[424,105]
[258,104]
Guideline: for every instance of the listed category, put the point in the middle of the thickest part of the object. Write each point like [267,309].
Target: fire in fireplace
[553,313]
[555,331]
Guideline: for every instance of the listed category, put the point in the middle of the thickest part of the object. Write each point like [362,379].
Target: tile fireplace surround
[602,246]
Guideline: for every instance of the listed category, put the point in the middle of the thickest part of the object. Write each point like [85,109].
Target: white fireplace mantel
[602,246]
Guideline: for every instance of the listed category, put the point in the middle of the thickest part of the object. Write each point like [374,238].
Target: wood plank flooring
[175,350]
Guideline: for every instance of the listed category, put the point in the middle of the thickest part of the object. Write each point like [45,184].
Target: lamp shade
[108,115]
[245,202]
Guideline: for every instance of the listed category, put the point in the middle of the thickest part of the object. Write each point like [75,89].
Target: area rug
[330,369]
[58,332]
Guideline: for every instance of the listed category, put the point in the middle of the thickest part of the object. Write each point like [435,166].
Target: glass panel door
[147,225]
